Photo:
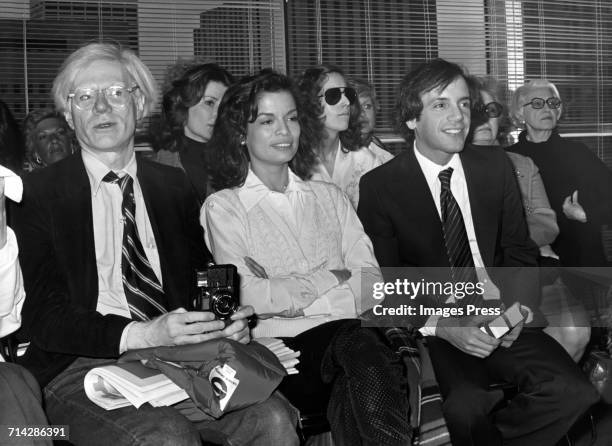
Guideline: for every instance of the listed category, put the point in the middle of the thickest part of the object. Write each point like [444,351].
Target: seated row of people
[341,141]
[109,269]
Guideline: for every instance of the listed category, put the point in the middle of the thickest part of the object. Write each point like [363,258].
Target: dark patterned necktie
[144,294]
[456,240]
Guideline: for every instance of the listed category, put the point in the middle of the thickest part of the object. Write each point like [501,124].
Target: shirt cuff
[529,317]
[429,329]
[124,337]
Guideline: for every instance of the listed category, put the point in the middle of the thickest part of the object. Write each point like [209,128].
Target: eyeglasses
[492,109]
[333,95]
[538,103]
[116,95]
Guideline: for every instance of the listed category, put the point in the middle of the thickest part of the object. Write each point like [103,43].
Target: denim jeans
[268,423]
[20,404]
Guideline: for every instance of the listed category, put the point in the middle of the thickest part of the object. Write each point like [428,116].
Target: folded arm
[227,233]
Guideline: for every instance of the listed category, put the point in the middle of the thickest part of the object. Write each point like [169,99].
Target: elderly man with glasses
[109,249]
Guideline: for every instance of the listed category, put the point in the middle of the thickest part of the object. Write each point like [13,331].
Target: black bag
[219,375]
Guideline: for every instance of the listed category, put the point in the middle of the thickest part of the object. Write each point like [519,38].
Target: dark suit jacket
[400,216]
[54,227]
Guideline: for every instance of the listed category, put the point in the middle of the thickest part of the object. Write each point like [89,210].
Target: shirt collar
[253,190]
[96,169]
[431,170]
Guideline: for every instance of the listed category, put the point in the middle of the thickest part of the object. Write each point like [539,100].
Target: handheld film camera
[218,291]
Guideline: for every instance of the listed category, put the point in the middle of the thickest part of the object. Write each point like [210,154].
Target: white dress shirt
[349,167]
[458,186]
[297,236]
[106,200]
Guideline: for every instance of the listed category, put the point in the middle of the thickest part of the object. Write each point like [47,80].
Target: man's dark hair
[431,75]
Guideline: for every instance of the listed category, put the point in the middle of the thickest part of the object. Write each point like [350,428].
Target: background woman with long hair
[189,113]
[342,155]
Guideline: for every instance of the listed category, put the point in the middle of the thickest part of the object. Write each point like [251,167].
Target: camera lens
[223,305]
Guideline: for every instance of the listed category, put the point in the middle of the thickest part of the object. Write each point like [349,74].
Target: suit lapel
[482,190]
[422,220]
[74,229]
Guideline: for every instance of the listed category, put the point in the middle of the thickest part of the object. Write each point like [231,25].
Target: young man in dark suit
[457,209]
[109,249]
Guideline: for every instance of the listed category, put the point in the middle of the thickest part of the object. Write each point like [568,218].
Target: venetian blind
[37,35]
[566,41]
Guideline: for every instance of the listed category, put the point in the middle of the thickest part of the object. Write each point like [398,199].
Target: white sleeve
[12,294]
[227,233]
[359,257]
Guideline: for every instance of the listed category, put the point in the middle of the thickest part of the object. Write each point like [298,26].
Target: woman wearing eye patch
[343,157]
[578,183]
[490,125]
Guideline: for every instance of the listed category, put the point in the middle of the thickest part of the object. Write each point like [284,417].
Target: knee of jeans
[277,419]
[15,375]
[171,430]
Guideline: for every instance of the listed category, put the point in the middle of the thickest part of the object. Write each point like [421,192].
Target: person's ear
[411,124]
[139,101]
[68,117]
[519,116]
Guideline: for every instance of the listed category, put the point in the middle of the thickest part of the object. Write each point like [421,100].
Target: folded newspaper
[132,383]
[287,357]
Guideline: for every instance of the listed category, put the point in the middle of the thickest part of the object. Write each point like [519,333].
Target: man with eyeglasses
[445,212]
[109,249]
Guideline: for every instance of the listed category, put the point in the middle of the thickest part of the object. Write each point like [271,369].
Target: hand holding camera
[218,291]
[215,314]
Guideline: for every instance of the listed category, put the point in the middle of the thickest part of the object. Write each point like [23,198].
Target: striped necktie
[456,240]
[143,291]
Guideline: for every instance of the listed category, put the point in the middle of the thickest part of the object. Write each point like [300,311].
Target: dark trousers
[553,392]
[348,372]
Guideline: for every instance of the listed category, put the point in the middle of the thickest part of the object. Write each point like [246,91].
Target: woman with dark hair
[12,151]
[189,112]
[303,261]
[48,138]
[342,152]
